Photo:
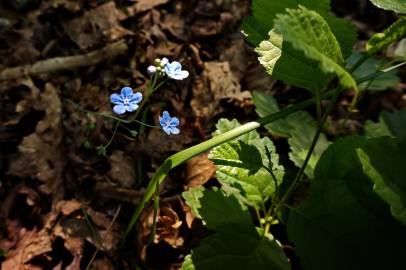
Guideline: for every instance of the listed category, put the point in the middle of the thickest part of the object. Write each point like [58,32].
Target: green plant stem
[312,146]
[112,137]
[258,217]
[360,61]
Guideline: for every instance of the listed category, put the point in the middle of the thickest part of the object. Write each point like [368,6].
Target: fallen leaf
[97,26]
[41,154]
[31,244]
[217,82]
[122,169]
[199,170]
[144,5]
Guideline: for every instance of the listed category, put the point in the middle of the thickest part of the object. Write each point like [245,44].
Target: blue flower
[127,101]
[174,70]
[169,124]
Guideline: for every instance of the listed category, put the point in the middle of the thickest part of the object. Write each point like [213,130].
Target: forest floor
[65,206]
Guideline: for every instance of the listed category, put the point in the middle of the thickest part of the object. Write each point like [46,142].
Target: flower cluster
[171,69]
[127,101]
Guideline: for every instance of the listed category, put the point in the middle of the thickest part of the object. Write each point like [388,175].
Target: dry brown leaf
[122,170]
[144,5]
[97,26]
[31,244]
[158,143]
[199,170]
[41,155]
[217,82]
[167,228]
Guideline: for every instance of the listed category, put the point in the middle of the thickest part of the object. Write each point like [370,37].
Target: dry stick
[68,62]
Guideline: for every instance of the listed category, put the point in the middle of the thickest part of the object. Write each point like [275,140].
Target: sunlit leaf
[394,5]
[392,34]
[308,32]
[240,165]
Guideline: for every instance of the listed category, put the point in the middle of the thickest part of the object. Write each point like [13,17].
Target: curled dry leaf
[167,228]
[199,170]
[97,26]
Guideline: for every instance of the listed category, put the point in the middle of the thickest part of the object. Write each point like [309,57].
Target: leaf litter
[58,198]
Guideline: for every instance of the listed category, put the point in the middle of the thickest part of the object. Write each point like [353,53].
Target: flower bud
[151,70]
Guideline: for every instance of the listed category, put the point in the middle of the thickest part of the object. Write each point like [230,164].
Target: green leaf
[344,224]
[238,175]
[289,64]
[292,66]
[389,124]
[192,198]
[240,155]
[257,26]
[400,51]
[303,129]
[396,122]
[308,32]
[372,65]
[299,128]
[384,163]
[374,130]
[392,34]
[394,5]
[266,105]
[218,209]
[235,246]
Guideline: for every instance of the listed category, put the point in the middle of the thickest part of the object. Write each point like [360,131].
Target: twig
[68,62]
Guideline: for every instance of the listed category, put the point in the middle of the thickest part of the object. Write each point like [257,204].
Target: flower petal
[176,66]
[116,99]
[174,121]
[166,117]
[167,130]
[164,61]
[126,92]
[180,75]
[136,98]
[132,107]
[174,130]
[119,109]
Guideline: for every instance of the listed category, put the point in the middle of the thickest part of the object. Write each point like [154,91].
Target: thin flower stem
[360,61]
[112,137]
[149,90]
